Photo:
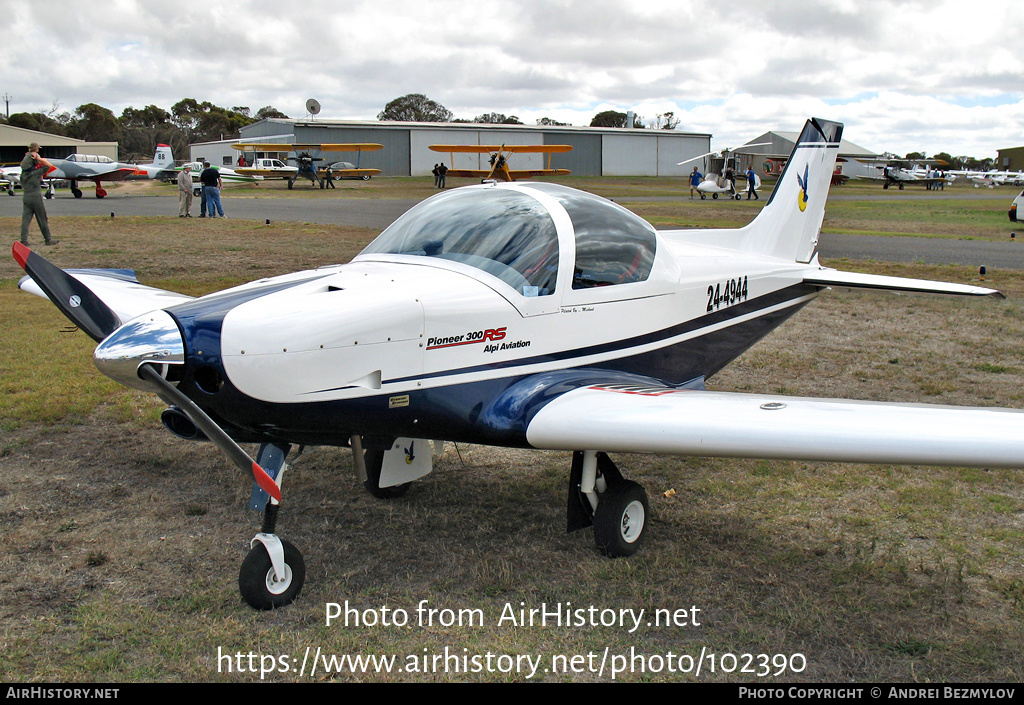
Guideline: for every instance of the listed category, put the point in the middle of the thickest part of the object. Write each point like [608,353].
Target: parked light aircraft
[526,315]
[499,161]
[227,176]
[78,167]
[895,172]
[306,157]
[992,178]
[91,167]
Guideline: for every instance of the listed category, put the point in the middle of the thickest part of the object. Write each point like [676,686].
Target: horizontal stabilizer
[856,280]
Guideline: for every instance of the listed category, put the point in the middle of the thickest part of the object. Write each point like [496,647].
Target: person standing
[437,176]
[695,177]
[328,181]
[33,169]
[442,172]
[752,184]
[212,185]
[184,192]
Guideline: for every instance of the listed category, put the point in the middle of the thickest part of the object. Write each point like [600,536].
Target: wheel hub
[277,585]
[632,521]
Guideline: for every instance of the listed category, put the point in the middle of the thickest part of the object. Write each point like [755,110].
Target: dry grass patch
[119,544]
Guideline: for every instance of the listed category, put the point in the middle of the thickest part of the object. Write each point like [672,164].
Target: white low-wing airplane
[520,314]
[98,168]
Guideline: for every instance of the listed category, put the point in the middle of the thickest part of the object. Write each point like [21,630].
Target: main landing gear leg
[273,572]
[616,507]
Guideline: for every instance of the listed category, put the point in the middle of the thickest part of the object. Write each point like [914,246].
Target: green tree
[269,111]
[553,123]
[144,128]
[415,107]
[613,118]
[497,119]
[39,122]
[94,123]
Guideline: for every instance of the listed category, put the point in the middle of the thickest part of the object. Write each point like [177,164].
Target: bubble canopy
[511,235]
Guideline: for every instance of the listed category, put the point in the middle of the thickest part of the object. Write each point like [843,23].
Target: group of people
[440,171]
[696,177]
[210,202]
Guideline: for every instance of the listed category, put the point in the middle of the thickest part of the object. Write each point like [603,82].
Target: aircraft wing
[506,148]
[118,174]
[339,147]
[514,173]
[117,288]
[618,418]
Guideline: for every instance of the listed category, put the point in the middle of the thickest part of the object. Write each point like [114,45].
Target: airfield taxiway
[381,212]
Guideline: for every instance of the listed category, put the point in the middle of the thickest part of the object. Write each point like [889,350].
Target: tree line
[138,130]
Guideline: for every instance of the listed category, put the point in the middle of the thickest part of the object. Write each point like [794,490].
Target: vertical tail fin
[789,224]
[162,158]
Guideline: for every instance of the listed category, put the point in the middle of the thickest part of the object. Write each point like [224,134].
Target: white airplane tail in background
[162,158]
[789,224]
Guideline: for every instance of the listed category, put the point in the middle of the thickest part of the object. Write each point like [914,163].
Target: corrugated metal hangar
[15,140]
[596,151]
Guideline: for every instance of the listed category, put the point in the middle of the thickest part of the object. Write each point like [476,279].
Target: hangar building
[14,141]
[780,145]
[1010,159]
[596,151]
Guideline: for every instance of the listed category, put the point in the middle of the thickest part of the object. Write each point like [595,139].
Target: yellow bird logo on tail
[801,198]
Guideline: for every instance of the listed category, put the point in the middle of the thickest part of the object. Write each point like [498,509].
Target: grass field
[120,544]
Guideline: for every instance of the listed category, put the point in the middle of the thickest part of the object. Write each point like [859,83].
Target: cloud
[902,72]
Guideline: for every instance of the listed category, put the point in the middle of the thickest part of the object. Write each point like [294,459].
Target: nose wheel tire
[620,519]
[261,587]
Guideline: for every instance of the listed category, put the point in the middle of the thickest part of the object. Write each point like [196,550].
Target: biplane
[306,157]
[499,161]
[900,172]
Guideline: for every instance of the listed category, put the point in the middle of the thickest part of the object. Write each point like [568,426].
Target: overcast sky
[903,75]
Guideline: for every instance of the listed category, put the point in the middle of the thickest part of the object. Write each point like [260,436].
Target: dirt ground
[119,543]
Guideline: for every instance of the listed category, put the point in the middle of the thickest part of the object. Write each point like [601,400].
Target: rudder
[789,224]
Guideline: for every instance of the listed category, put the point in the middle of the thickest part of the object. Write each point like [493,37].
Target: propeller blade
[74,299]
[170,393]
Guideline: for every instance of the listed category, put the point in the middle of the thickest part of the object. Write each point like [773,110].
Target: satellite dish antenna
[312,106]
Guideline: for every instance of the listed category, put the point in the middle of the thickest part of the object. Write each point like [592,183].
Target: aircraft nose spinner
[151,338]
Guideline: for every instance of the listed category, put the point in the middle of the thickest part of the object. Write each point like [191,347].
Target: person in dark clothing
[210,178]
[33,169]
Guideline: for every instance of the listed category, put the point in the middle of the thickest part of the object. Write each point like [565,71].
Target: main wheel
[703,197]
[714,196]
[374,461]
[76,192]
[620,519]
[261,587]
[291,184]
